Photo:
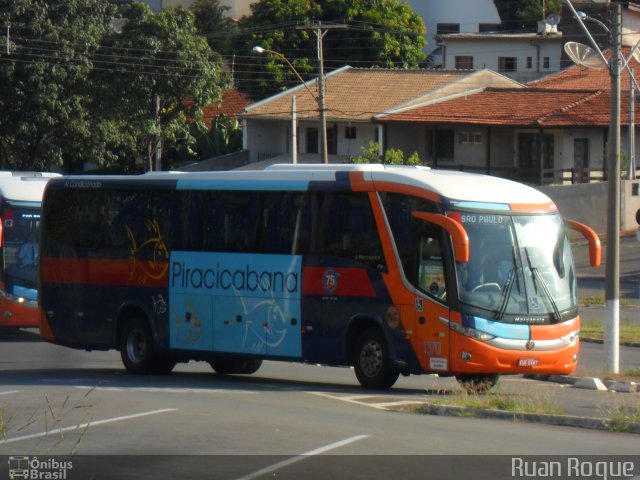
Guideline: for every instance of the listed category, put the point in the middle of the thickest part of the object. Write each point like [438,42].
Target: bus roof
[456,187]
[23,186]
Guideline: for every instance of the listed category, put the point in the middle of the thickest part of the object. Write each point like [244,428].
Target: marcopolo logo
[34,468]
[220,273]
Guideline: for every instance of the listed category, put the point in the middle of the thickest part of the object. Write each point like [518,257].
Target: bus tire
[137,352]
[477,383]
[251,366]
[227,365]
[371,361]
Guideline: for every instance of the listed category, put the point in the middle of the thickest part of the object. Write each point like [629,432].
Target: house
[554,130]
[521,56]
[353,97]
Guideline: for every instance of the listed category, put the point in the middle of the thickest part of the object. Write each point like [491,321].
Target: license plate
[527,362]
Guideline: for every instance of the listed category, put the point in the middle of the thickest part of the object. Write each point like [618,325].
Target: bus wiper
[506,291]
[543,284]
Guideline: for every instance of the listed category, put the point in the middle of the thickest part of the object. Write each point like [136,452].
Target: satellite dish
[553,19]
[584,56]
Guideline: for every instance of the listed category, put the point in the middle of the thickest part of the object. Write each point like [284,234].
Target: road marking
[166,390]
[10,392]
[399,403]
[302,456]
[85,425]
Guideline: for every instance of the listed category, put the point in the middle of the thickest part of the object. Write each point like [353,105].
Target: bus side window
[232,220]
[348,229]
[431,267]
[285,223]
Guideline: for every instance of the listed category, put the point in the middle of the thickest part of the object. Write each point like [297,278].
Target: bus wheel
[477,383]
[371,361]
[251,366]
[136,349]
[227,366]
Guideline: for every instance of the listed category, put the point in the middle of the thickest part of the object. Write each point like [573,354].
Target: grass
[52,416]
[594,331]
[620,416]
[596,301]
[497,400]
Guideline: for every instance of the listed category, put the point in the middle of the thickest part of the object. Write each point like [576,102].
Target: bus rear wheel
[479,383]
[137,352]
[371,361]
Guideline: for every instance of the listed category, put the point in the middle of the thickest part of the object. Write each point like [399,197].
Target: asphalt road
[285,421]
[283,410]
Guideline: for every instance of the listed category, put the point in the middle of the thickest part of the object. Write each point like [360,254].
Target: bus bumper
[20,315]
[472,356]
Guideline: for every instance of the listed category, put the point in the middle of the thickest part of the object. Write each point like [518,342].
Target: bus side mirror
[453,228]
[595,249]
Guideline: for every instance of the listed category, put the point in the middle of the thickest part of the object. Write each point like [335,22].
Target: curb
[540,418]
[590,383]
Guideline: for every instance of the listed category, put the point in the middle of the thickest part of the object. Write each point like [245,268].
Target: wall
[587,203]
[486,52]
[468,13]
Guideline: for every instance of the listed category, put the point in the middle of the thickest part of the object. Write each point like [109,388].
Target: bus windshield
[20,250]
[520,268]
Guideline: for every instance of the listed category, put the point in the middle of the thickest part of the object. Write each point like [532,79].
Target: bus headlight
[571,338]
[471,332]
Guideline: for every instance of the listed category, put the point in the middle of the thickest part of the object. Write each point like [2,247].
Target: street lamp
[318,98]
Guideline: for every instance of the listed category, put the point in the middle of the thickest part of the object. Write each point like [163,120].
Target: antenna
[584,56]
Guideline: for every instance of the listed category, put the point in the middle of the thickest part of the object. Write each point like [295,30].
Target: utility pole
[294,131]
[612,287]
[320,31]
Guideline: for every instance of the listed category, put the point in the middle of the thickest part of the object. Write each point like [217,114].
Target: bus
[389,270]
[20,201]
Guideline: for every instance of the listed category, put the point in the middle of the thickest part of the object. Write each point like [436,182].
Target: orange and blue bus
[20,202]
[391,270]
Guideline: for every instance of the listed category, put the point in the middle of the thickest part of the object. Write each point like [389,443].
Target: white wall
[486,52]
[468,13]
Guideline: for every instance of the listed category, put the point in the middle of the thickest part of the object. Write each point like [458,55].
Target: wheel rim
[371,358]
[136,346]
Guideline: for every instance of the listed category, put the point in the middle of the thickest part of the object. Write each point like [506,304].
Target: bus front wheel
[371,361]
[137,352]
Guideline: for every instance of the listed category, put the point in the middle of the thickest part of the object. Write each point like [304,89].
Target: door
[581,159]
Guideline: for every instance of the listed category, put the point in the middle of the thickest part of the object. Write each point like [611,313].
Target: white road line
[85,425]
[165,390]
[399,403]
[346,399]
[10,392]
[302,456]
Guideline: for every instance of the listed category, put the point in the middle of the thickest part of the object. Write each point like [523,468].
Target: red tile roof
[233,103]
[518,108]
[354,93]
[582,78]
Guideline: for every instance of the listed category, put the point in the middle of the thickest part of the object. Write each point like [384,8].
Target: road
[270,418]
[285,421]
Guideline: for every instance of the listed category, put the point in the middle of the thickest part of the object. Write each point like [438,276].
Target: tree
[161,73]
[519,14]
[212,22]
[43,79]
[391,157]
[377,33]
